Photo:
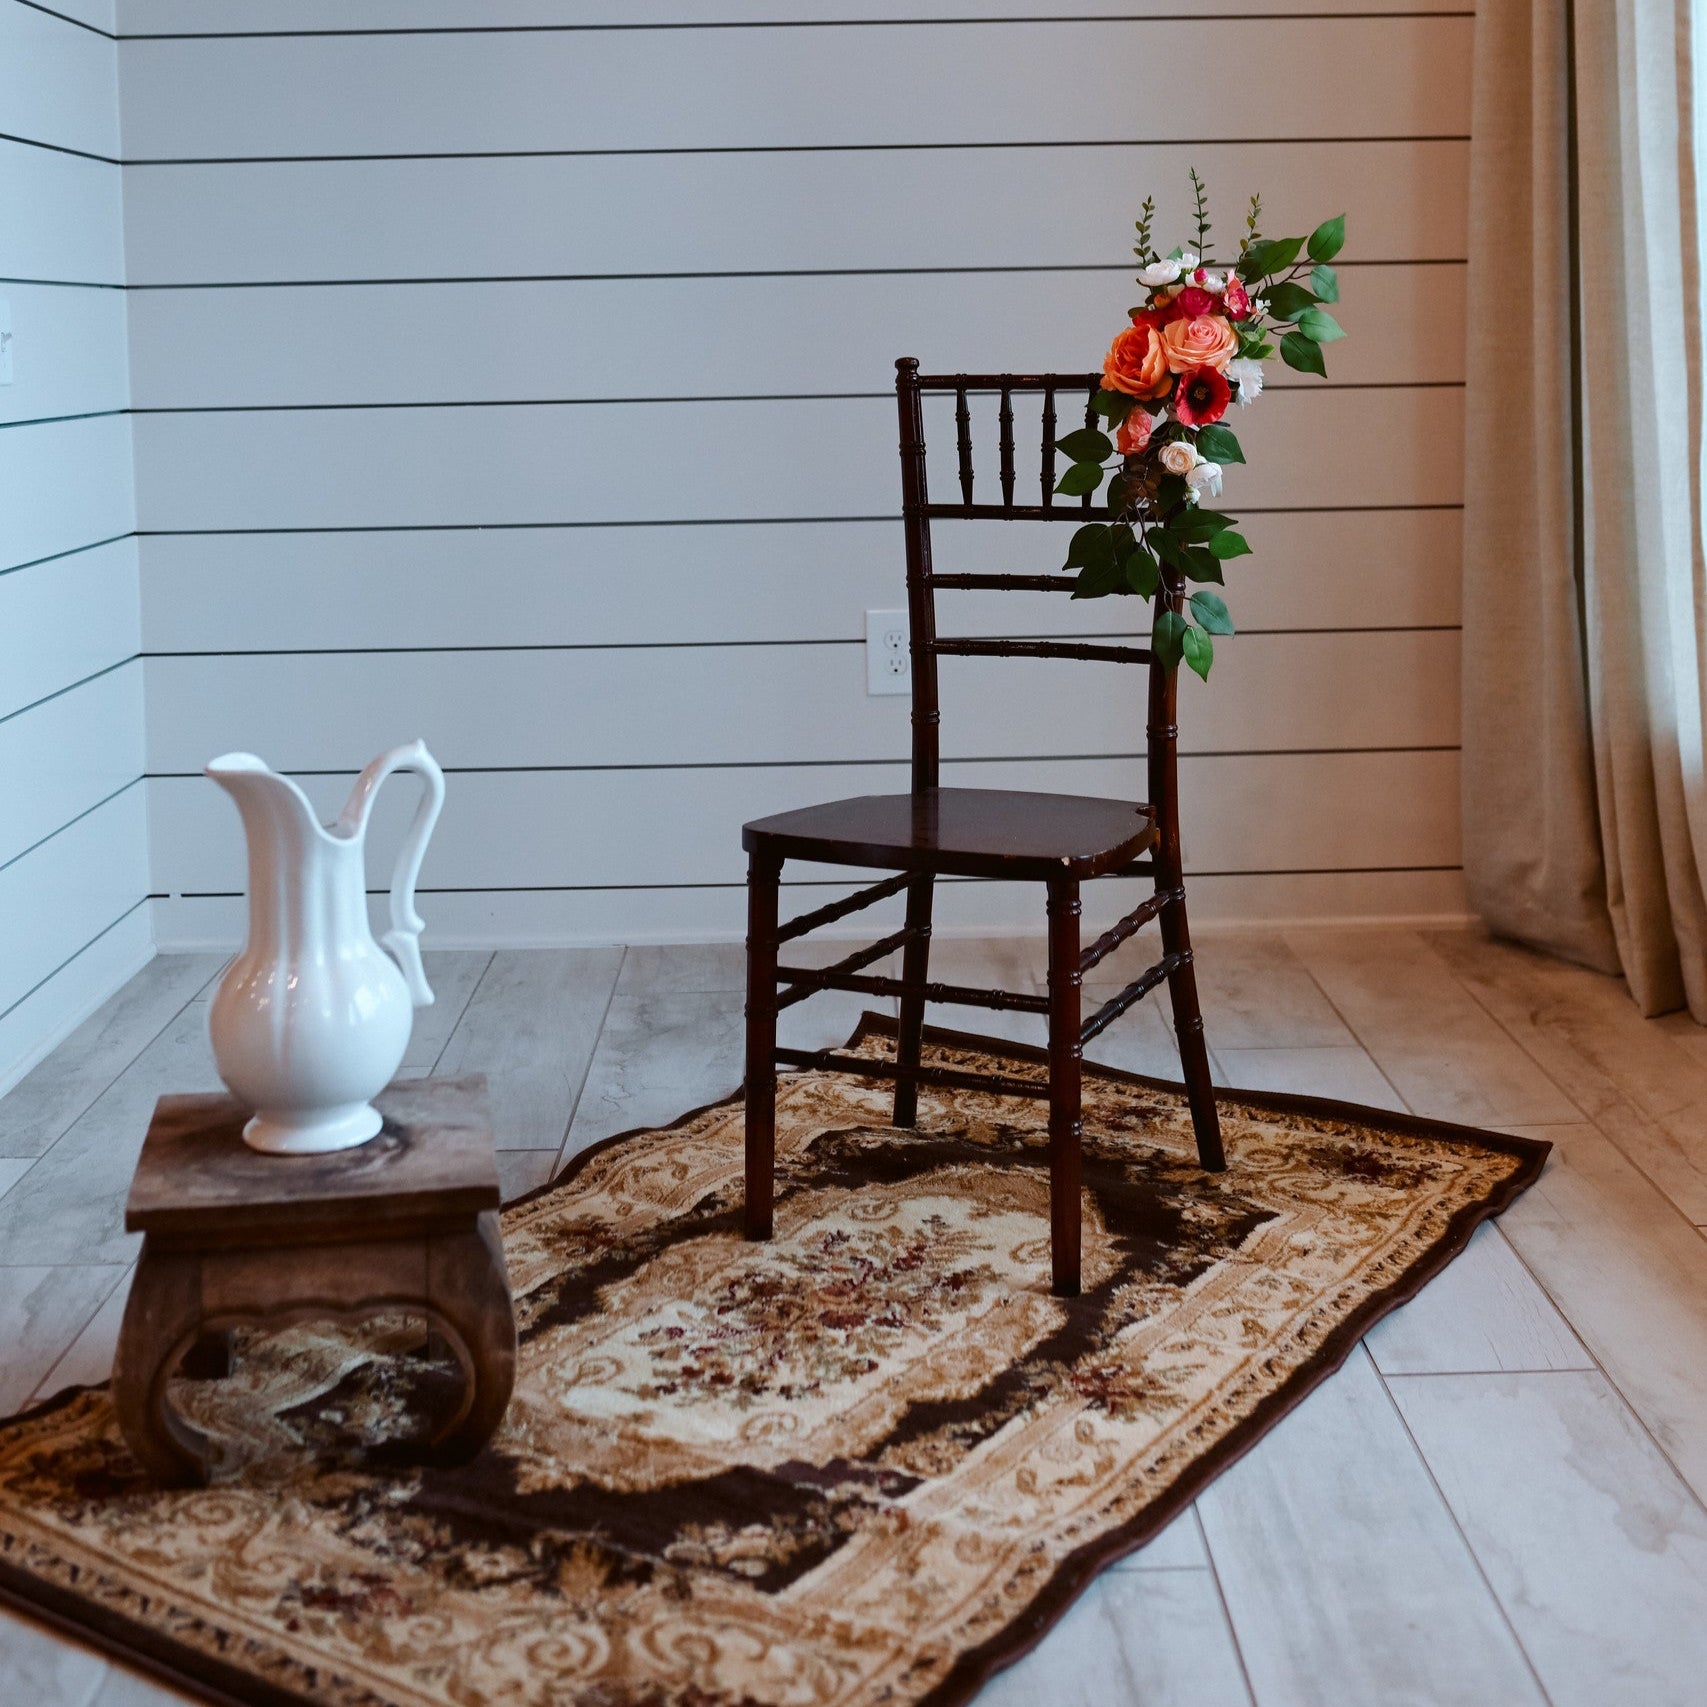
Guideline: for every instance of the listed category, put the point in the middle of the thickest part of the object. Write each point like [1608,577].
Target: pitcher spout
[271,805]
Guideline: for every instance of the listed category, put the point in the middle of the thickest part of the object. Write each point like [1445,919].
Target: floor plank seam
[1352,1031]
[1458,1527]
[467,1002]
[592,1056]
[1587,1119]
[142,1049]
[1696,1494]
[1226,1609]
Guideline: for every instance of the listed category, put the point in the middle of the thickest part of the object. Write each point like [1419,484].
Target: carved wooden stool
[407,1221]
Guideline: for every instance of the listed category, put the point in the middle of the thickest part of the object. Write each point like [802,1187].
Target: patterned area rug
[871,1461]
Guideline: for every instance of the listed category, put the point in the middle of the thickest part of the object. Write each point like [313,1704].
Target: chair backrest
[1064,395]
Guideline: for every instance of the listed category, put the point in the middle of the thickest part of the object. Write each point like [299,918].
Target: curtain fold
[1585,704]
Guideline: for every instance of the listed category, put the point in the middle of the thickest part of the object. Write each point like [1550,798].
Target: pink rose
[1133,436]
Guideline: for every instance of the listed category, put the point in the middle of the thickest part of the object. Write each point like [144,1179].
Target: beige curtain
[1585,613]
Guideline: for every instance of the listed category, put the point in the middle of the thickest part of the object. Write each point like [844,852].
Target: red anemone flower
[1202,396]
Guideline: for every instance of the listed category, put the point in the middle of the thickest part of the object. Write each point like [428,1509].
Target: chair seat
[970,832]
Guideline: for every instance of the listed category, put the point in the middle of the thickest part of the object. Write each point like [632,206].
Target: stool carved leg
[468,1295]
[162,1321]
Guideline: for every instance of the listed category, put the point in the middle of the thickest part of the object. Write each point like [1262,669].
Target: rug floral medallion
[867,1462]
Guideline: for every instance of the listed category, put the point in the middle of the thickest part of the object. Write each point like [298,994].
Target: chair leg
[1066,1125]
[915,969]
[764,875]
[1188,1028]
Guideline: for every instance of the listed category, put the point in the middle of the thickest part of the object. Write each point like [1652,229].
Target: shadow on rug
[871,1461]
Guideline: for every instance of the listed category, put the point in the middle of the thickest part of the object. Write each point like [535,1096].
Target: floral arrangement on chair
[1194,347]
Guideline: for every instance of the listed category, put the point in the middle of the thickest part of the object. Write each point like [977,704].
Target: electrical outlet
[888,662]
[5,342]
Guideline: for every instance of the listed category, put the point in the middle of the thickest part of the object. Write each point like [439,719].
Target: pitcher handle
[403,941]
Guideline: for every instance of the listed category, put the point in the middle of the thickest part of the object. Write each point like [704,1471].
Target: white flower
[1214,283]
[1204,479]
[1179,456]
[1247,375]
[1260,306]
[1159,273]
[1187,261]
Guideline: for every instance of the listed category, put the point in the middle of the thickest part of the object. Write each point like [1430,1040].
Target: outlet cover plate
[888,660]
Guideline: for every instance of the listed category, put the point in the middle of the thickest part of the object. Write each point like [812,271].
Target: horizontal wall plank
[837,86]
[724,337]
[58,84]
[759,212]
[768,458]
[617,828]
[97,14]
[56,900]
[73,230]
[780,704]
[41,1022]
[221,17]
[62,758]
[62,621]
[64,484]
[700,585]
[68,350]
[538,918]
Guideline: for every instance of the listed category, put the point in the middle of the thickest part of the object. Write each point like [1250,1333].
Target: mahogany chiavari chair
[1059,840]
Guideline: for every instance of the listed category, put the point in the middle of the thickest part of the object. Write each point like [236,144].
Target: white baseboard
[544,920]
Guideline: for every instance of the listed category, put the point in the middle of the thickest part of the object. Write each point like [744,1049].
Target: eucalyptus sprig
[1142,248]
[1251,219]
[1159,538]
[1201,192]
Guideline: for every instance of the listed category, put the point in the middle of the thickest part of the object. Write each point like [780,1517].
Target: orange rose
[1137,364]
[1205,340]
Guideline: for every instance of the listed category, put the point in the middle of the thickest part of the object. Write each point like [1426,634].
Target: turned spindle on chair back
[918,510]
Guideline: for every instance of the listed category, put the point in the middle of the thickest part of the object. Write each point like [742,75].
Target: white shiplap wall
[516,373]
[74,915]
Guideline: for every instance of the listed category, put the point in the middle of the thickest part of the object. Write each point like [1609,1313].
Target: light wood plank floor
[1498,1500]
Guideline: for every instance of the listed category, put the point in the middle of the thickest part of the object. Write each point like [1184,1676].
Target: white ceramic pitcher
[311,1020]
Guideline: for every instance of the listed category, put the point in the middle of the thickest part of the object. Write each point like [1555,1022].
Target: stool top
[430,1164]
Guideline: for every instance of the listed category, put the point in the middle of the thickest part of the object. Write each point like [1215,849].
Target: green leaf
[1325,282]
[1225,545]
[1288,301]
[1090,544]
[1167,636]
[1086,445]
[1198,528]
[1319,326]
[1210,609]
[1264,260]
[1168,547]
[1082,477]
[1097,580]
[1200,565]
[1199,650]
[1219,444]
[1298,352]
[1192,561]
[1142,574]
[1115,406]
[1170,492]
[1328,239]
